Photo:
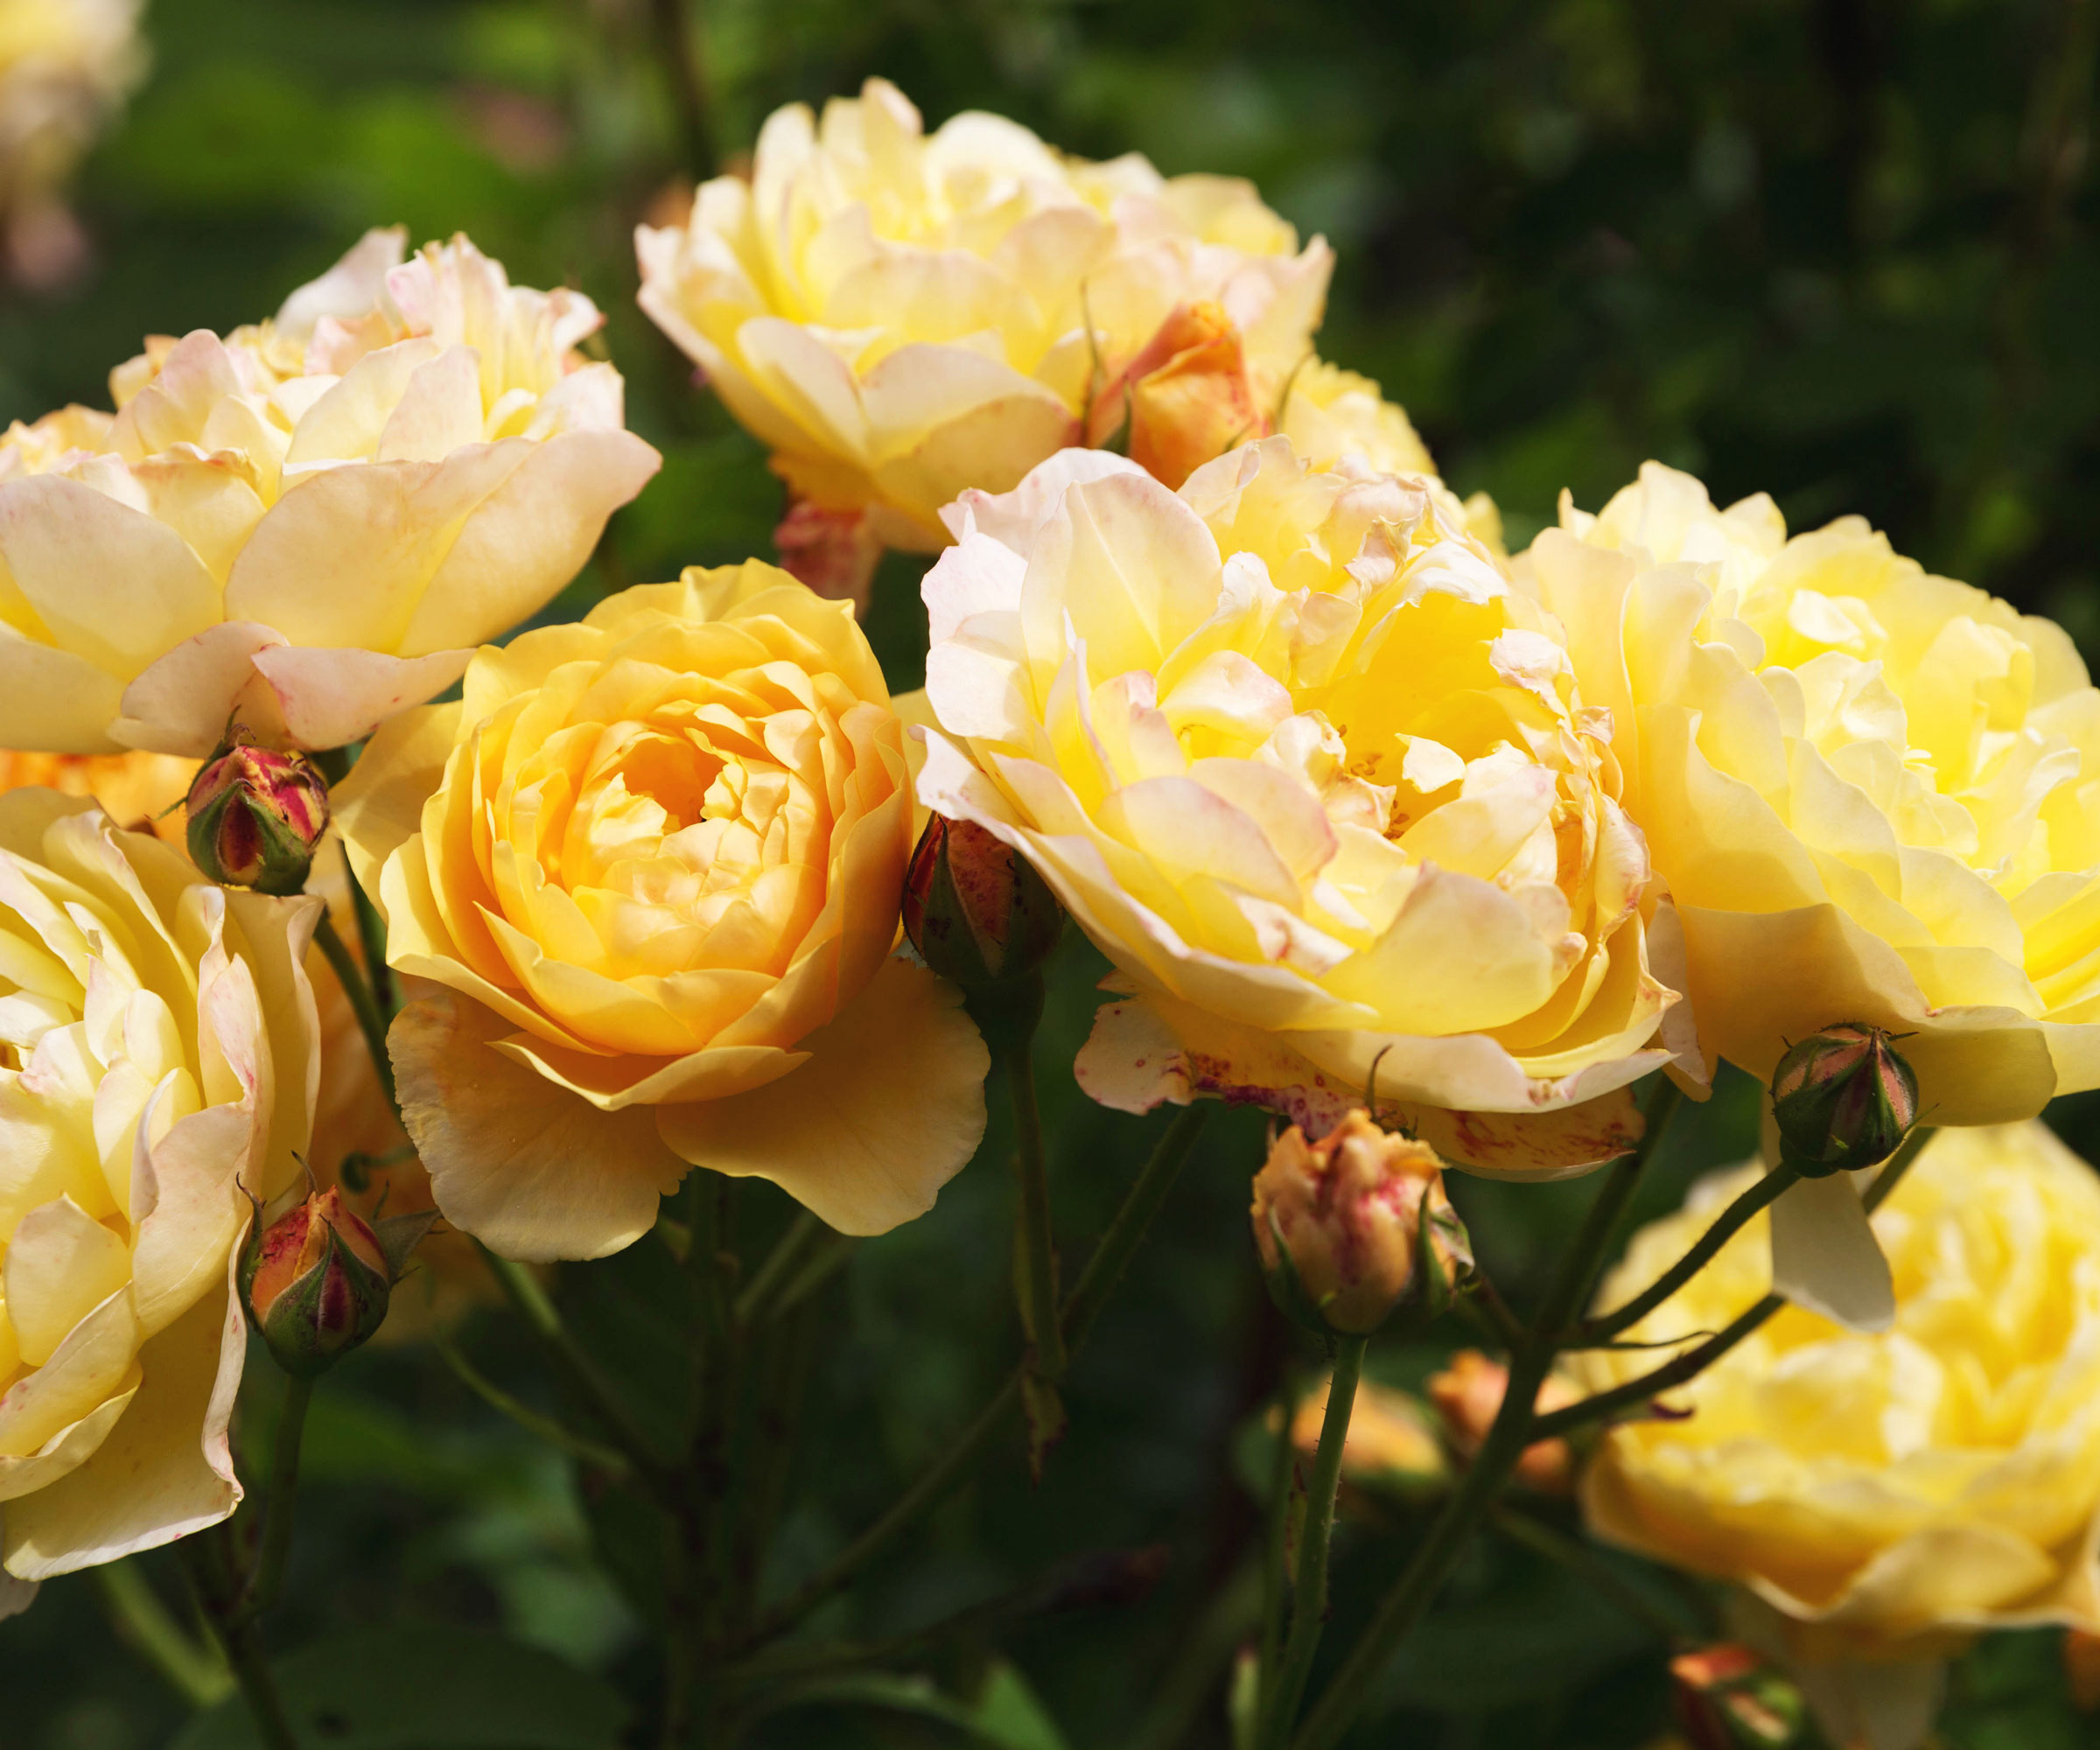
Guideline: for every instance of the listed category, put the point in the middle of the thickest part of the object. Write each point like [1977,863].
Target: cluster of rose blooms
[1350,798]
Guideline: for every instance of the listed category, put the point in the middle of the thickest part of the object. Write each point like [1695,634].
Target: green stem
[679,50]
[208,1562]
[1514,1430]
[251,1671]
[372,937]
[599,1457]
[1726,1226]
[279,1507]
[198,1674]
[1035,1247]
[1278,1531]
[1309,1598]
[369,1020]
[1637,1393]
[804,1235]
[1583,1561]
[580,1373]
[1096,1282]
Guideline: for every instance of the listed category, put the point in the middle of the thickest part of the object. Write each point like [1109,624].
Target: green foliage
[427,1687]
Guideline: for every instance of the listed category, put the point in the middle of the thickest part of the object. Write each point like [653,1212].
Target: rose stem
[1096,1282]
[1636,1392]
[198,1673]
[1731,1221]
[1493,1465]
[1309,1597]
[279,1507]
[369,1020]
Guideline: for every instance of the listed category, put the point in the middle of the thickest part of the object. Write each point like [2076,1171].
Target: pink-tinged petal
[329,697]
[165,1470]
[978,575]
[182,703]
[530,1168]
[1014,519]
[1146,1050]
[353,286]
[888,1109]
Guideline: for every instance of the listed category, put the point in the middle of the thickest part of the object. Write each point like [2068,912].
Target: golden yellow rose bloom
[160,1057]
[1870,791]
[1883,1494]
[311,522]
[653,862]
[899,316]
[1298,758]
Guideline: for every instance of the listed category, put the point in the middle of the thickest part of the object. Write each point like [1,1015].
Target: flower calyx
[1843,1099]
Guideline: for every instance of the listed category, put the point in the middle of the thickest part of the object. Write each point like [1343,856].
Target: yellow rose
[160,1059]
[142,791]
[898,316]
[1304,764]
[656,859]
[311,522]
[1870,791]
[1883,1494]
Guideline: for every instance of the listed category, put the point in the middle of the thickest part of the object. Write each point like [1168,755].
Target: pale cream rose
[1874,793]
[652,866]
[311,522]
[1298,758]
[66,65]
[898,316]
[1882,1495]
[159,1059]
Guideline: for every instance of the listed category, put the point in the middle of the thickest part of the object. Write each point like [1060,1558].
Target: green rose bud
[977,912]
[1843,1099]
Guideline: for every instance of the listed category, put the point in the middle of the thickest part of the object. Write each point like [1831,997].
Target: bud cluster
[1843,1099]
[1349,1226]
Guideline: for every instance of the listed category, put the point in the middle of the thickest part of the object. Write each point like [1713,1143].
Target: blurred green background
[1840,250]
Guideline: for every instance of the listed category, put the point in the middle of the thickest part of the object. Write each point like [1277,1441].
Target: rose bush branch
[1635,1394]
[1515,1429]
[1604,1327]
[1309,1596]
[1096,1282]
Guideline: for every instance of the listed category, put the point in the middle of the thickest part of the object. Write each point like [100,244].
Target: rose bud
[1726,1698]
[1347,1226]
[317,1280]
[255,816]
[1468,1396]
[1843,1098]
[1184,399]
[977,912]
